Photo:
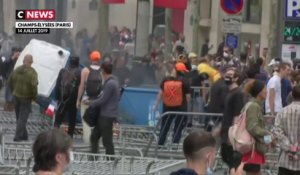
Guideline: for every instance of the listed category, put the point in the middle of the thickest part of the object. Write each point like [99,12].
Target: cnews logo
[35,14]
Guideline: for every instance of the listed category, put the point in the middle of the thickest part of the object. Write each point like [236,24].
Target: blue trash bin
[136,106]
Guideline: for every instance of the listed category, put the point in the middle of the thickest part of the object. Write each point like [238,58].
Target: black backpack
[68,83]
[93,83]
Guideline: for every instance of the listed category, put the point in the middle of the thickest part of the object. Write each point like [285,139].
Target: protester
[255,125]
[108,102]
[52,153]
[264,56]
[175,94]
[199,149]
[8,66]
[180,42]
[205,48]
[67,85]
[234,102]
[263,75]
[274,99]
[89,88]
[287,124]
[286,89]
[295,78]
[121,71]
[216,104]
[23,82]
[228,59]
[220,48]
[194,60]
[206,71]
[243,62]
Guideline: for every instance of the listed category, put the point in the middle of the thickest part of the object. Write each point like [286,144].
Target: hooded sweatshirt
[23,82]
[184,171]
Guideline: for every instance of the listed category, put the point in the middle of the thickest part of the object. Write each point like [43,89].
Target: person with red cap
[89,88]
[175,94]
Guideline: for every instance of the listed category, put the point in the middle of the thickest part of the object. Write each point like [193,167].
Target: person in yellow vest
[208,72]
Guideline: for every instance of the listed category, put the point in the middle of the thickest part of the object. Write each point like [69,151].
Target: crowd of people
[236,83]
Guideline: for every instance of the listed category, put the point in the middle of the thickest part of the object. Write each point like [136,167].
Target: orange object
[181,67]
[172,93]
[95,56]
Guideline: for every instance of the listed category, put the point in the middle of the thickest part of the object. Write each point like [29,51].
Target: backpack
[68,83]
[93,83]
[238,135]
[172,93]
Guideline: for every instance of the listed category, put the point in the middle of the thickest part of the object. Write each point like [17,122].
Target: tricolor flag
[173,4]
[50,111]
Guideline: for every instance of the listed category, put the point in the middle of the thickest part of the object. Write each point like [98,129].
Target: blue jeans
[8,95]
[198,105]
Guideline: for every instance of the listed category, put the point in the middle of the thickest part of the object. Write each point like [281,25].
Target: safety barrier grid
[173,126]
[36,123]
[85,163]
[143,141]
[199,98]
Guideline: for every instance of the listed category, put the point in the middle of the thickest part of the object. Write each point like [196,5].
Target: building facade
[255,29]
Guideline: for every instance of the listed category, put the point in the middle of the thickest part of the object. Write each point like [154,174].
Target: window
[252,11]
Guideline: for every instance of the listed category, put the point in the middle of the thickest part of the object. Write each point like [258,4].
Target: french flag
[50,111]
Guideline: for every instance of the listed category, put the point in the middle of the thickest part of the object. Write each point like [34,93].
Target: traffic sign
[232,24]
[232,7]
[232,40]
[292,9]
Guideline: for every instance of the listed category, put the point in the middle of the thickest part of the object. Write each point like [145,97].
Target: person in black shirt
[218,92]
[180,121]
[67,105]
[8,67]
[205,48]
[234,103]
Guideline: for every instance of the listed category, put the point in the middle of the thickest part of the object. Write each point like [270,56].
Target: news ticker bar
[44,25]
[32,30]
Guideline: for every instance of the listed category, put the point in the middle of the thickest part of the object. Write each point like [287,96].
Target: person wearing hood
[199,149]
[67,85]
[23,83]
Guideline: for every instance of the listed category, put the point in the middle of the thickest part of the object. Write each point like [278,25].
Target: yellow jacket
[213,74]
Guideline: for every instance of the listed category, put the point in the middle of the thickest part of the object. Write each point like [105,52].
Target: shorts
[252,168]
[230,157]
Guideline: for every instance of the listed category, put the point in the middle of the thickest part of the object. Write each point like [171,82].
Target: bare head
[28,60]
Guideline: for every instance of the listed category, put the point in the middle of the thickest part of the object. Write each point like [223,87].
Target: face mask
[69,165]
[194,67]
[228,80]
[225,54]
[208,169]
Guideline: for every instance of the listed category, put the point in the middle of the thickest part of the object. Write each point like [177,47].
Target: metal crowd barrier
[178,125]
[85,163]
[36,123]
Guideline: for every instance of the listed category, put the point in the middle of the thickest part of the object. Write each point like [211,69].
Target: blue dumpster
[136,106]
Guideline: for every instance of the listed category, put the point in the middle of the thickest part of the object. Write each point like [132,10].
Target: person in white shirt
[273,100]
[180,42]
